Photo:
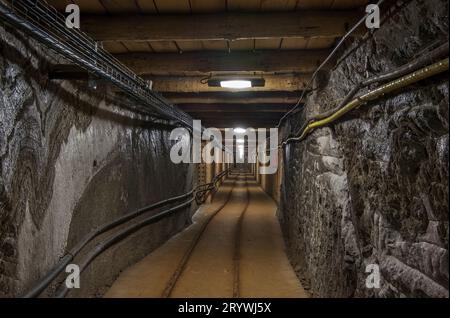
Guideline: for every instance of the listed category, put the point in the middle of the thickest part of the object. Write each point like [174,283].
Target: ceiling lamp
[239,130]
[236,84]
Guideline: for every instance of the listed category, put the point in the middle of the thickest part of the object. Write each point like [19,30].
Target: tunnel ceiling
[180,44]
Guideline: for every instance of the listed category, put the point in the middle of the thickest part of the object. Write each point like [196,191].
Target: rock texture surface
[373,187]
[71,159]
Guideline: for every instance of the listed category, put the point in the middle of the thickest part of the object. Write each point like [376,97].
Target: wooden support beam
[235,108]
[281,82]
[222,26]
[269,116]
[257,97]
[241,101]
[191,84]
[236,94]
[301,61]
[238,122]
[229,120]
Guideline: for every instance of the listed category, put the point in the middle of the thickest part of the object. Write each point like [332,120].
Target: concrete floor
[234,248]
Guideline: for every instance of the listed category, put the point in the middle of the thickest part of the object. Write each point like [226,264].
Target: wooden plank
[264,116]
[283,85]
[320,43]
[146,6]
[137,46]
[234,108]
[90,6]
[201,6]
[163,46]
[330,4]
[231,26]
[114,47]
[206,62]
[267,44]
[60,5]
[218,100]
[245,44]
[173,6]
[244,5]
[187,46]
[261,97]
[285,82]
[238,122]
[278,5]
[214,45]
[294,43]
[349,4]
[120,6]
[314,4]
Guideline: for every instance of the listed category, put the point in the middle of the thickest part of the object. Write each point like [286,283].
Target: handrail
[45,281]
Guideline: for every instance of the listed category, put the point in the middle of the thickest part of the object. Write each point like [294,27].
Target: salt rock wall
[373,187]
[71,159]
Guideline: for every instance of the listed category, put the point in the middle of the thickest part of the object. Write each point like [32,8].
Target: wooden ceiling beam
[234,97]
[220,26]
[204,62]
[236,122]
[190,84]
[235,108]
[237,115]
[279,82]
[236,94]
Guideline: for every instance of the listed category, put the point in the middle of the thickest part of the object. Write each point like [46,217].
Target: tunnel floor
[234,248]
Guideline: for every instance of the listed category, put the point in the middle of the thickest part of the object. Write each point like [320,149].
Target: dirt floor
[234,248]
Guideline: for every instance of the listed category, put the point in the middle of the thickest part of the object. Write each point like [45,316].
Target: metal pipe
[328,58]
[437,53]
[46,25]
[406,80]
[45,281]
[58,268]
[99,248]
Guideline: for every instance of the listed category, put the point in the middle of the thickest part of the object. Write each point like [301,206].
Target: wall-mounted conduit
[198,194]
[411,78]
[327,59]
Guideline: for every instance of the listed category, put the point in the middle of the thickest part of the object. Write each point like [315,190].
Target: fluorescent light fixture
[240,141]
[239,130]
[237,84]
[241,151]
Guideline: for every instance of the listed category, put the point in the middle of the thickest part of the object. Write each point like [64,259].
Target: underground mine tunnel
[224,149]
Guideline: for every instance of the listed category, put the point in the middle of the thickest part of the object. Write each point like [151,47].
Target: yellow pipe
[406,80]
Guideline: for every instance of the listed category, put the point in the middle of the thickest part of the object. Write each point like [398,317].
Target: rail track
[167,292]
[233,249]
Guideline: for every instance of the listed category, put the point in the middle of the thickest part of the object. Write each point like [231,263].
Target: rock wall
[373,187]
[270,184]
[72,159]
